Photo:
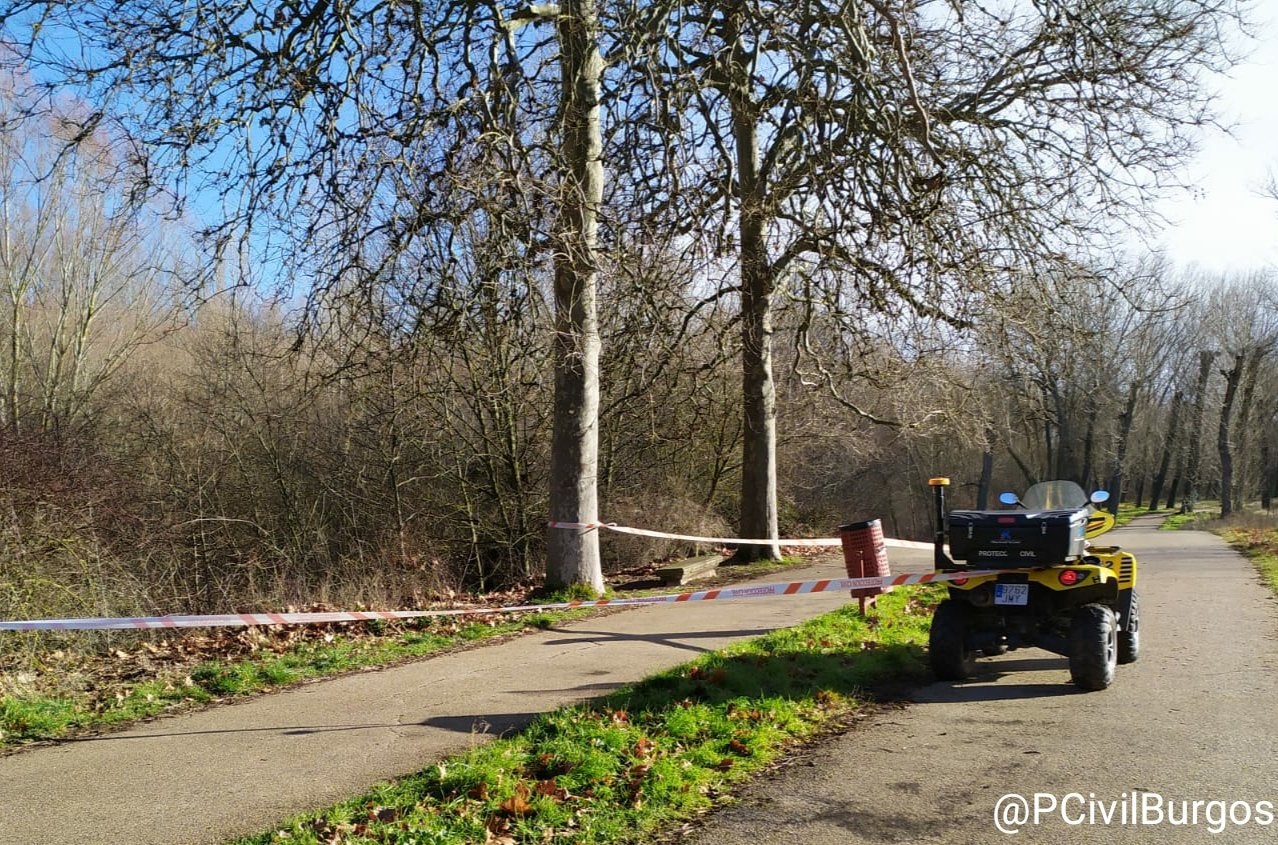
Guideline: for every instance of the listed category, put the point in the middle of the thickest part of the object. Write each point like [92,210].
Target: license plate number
[1014,594]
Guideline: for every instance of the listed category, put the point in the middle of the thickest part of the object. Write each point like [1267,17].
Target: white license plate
[1016,594]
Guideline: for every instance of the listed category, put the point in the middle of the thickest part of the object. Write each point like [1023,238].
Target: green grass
[30,714]
[27,715]
[1127,512]
[1259,542]
[1177,521]
[34,717]
[630,766]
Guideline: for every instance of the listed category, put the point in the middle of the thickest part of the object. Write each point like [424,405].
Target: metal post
[941,560]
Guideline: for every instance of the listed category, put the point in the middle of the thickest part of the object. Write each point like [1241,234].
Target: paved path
[233,770]
[1195,719]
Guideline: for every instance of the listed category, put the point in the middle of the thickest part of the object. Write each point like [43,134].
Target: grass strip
[68,700]
[1177,521]
[1260,545]
[33,715]
[636,763]
[1127,512]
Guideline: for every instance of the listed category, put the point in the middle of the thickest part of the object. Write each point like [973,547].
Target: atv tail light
[1070,577]
[958,582]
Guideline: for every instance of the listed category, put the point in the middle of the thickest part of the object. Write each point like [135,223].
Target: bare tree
[1170,442]
[867,160]
[87,278]
[1242,480]
[1193,454]
[327,130]
[1242,321]
[574,496]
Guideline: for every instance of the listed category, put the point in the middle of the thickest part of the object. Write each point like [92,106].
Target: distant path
[1195,719]
[205,777]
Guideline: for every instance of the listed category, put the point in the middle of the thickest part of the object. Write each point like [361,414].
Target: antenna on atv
[941,559]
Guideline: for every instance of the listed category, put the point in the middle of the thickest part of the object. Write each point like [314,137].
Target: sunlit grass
[1256,536]
[1177,521]
[28,715]
[629,766]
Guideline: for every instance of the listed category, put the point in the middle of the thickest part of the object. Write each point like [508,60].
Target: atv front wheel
[1129,633]
[1093,643]
[946,645]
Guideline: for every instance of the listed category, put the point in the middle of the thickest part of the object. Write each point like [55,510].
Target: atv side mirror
[1100,497]
[1009,499]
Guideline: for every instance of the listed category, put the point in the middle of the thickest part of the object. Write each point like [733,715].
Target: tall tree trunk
[1089,446]
[573,555]
[1232,377]
[1175,486]
[1242,433]
[1268,477]
[1194,455]
[1120,449]
[1049,461]
[759,439]
[13,362]
[987,471]
[1067,464]
[1169,448]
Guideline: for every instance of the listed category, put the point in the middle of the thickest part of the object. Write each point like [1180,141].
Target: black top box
[1010,539]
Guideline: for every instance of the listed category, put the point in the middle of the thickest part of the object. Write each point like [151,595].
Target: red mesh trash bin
[865,556]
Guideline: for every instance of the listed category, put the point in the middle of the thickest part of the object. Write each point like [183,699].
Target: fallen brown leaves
[104,677]
[714,676]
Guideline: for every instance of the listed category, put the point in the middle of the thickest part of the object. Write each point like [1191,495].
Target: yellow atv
[1053,590]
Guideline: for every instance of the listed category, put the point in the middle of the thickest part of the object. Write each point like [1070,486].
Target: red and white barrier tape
[795,588]
[727,541]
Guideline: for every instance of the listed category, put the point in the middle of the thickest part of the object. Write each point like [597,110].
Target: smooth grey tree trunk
[759,413]
[573,555]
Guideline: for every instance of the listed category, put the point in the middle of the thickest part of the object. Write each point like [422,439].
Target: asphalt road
[233,770]
[1194,720]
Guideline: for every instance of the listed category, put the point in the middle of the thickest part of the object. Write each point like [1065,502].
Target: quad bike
[1054,590]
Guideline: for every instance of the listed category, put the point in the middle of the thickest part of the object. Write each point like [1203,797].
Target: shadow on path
[983,685]
[678,640]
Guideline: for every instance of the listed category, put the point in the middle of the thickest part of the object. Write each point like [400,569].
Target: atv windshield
[1054,495]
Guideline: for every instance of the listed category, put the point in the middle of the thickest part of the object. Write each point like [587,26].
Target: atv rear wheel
[946,646]
[1093,637]
[1129,632]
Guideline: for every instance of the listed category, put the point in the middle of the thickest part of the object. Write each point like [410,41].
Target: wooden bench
[689,570]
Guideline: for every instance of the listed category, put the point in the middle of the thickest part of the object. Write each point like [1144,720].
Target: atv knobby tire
[1129,633]
[1093,644]
[946,648]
